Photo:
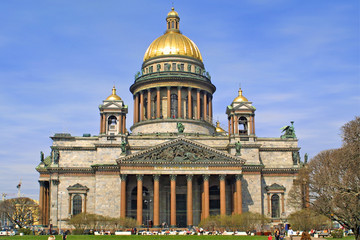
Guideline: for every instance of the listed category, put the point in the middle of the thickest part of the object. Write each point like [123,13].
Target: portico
[182,190]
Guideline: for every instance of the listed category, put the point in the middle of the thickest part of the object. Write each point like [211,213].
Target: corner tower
[241,116]
[113,115]
[172,86]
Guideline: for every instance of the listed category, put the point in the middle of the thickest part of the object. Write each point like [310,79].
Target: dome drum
[168,126]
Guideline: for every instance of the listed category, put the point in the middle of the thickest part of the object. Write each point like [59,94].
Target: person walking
[290,233]
[282,233]
[277,234]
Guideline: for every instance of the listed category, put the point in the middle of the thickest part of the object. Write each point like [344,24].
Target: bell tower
[241,116]
[113,115]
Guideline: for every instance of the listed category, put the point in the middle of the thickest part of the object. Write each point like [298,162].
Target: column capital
[156,177]
[139,177]
[168,87]
[55,181]
[206,177]
[179,87]
[157,88]
[42,182]
[123,177]
[238,176]
[222,177]
[189,177]
[198,90]
[172,177]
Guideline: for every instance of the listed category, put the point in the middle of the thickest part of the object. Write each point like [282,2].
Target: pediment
[275,186]
[112,105]
[182,151]
[77,186]
[243,106]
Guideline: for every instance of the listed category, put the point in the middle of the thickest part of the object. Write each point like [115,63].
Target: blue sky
[295,60]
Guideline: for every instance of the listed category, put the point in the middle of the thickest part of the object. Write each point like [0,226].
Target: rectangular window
[174,66]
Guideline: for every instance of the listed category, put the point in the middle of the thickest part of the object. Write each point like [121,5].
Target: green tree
[334,180]
[240,222]
[307,219]
[20,211]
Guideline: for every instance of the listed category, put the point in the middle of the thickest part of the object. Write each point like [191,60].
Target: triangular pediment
[77,186]
[112,104]
[275,186]
[243,106]
[182,151]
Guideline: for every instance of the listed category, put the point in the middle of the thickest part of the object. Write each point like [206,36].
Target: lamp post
[147,202]
[59,220]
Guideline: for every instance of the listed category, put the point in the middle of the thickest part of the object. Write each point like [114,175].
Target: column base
[173,226]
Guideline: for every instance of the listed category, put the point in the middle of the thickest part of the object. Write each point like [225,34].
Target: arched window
[77,204]
[186,107]
[275,206]
[112,120]
[243,125]
[145,107]
[214,202]
[193,103]
[174,106]
[154,107]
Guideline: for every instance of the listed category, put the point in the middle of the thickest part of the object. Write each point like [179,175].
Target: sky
[295,60]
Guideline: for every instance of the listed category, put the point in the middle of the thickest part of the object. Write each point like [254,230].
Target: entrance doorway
[181,210]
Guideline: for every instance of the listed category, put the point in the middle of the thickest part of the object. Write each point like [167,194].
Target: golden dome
[240,98]
[113,96]
[172,42]
[173,13]
[218,128]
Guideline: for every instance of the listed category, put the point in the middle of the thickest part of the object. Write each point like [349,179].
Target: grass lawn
[92,237]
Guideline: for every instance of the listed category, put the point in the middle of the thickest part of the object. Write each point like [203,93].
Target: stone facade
[160,172]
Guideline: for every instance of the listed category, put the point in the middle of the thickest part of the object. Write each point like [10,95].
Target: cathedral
[174,164]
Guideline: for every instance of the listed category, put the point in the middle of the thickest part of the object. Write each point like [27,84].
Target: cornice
[173,79]
[74,148]
[252,168]
[279,149]
[280,170]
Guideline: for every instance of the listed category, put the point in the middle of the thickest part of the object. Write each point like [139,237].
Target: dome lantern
[172,21]
[173,42]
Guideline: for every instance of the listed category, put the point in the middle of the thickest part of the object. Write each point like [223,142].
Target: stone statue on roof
[238,148]
[180,127]
[123,147]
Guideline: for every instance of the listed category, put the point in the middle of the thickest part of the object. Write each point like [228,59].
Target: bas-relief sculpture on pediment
[182,152]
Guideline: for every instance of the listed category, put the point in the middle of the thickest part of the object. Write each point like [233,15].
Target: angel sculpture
[289,131]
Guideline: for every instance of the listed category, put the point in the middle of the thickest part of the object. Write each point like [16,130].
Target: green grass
[92,237]
[113,237]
